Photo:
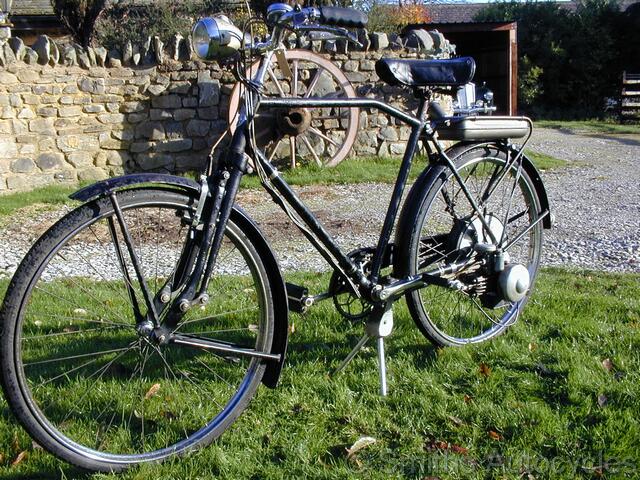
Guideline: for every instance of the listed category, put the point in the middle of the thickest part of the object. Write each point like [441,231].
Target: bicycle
[140,325]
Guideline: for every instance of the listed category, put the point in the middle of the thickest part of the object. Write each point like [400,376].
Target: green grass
[590,126]
[50,196]
[536,401]
[362,170]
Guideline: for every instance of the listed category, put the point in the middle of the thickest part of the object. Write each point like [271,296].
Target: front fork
[207,230]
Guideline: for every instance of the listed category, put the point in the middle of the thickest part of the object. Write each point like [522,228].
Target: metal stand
[379,325]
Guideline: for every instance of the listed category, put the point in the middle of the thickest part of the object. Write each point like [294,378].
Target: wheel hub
[293,121]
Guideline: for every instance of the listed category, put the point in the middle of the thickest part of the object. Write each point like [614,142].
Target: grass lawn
[366,170]
[590,126]
[555,397]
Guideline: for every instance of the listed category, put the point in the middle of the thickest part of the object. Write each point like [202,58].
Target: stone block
[43,126]
[167,101]
[80,159]
[6,128]
[159,114]
[140,147]
[132,107]
[137,117]
[209,90]
[111,118]
[151,130]
[8,148]
[74,111]
[89,85]
[184,114]
[7,78]
[350,66]
[93,109]
[156,90]
[176,145]
[50,161]
[42,47]
[26,113]
[77,143]
[210,113]
[18,47]
[379,40]
[154,161]
[388,133]
[92,173]
[198,128]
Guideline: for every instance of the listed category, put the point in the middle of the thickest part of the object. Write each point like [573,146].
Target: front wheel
[442,229]
[81,374]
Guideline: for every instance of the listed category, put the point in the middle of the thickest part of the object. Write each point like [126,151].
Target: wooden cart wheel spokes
[320,136]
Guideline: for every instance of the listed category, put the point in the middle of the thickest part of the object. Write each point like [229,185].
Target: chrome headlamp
[216,38]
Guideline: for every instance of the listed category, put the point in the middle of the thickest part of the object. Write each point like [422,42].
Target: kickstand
[378,326]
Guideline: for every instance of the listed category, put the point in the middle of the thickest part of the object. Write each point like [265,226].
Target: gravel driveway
[596,203]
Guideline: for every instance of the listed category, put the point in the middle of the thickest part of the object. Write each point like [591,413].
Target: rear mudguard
[248,226]
[412,203]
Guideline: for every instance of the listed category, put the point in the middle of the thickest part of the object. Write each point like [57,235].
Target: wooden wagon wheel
[323,136]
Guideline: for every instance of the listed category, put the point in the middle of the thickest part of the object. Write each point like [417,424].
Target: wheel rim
[455,317]
[102,390]
[332,132]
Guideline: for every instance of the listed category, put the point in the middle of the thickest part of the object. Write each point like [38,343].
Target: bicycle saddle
[422,73]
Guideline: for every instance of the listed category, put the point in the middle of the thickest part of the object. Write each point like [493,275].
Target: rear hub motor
[498,281]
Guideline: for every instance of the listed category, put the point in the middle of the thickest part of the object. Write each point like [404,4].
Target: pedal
[299,299]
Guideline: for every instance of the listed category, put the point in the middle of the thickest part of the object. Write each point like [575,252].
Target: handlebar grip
[343,17]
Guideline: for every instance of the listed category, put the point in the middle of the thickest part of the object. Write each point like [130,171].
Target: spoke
[81,355]
[314,82]
[306,141]
[322,135]
[100,373]
[292,146]
[294,93]
[75,332]
[203,319]
[275,81]
[74,305]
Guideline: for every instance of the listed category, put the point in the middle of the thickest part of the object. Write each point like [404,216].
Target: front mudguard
[248,226]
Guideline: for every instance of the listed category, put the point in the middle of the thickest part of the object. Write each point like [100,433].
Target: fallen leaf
[485,370]
[292,327]
[495,435]
[38,323]
[15,443]
[34,446]
[152,391]
[459,450]
[1,458]
[607,364]
[359,444]
[532,347]
[602,400]
[253,328]
[445,446]
[467,398]
[80,311]
[21,456]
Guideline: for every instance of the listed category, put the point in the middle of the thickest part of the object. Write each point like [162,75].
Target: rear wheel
[444,229]
[81,371]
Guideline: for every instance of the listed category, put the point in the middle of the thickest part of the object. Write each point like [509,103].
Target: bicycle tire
[450,317]
[142,407]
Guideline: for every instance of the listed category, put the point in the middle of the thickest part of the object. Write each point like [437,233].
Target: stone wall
[71,114]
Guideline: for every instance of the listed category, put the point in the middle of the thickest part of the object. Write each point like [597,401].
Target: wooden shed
[494,46]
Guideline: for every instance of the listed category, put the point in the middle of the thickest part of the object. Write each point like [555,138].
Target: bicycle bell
[216,38]
[275,11]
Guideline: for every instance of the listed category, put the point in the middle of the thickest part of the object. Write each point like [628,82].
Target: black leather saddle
[422,73]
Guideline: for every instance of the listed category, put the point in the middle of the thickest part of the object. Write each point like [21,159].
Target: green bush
[79,16]
[130,21]
[569,61]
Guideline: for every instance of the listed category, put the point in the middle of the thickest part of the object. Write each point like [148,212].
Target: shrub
[384,17]
[569,61]
[79,16]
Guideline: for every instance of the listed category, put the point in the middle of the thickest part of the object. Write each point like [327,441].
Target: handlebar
[333,16]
